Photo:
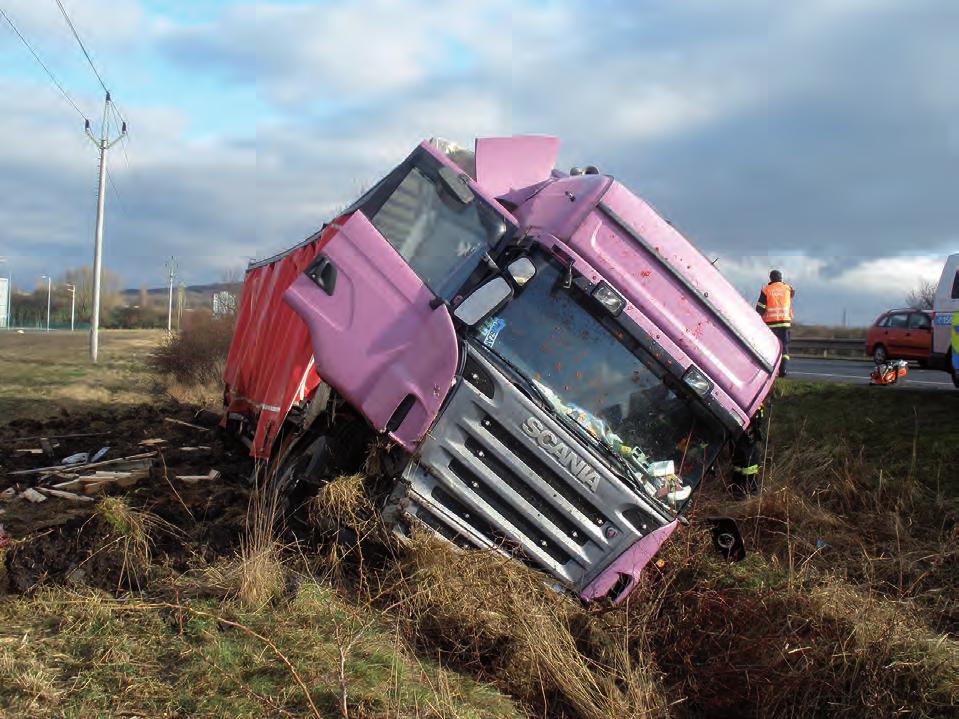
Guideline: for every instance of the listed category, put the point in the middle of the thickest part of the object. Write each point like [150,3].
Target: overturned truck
[556,368]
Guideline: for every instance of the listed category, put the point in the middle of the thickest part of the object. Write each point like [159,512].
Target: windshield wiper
[526,384]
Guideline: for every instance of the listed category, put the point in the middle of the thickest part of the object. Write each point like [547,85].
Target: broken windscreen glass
[580,362]
[442,239]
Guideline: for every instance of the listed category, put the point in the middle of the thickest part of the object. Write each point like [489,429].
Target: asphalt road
[853,372]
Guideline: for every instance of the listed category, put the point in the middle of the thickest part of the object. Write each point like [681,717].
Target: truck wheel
[879,354]
[298,476]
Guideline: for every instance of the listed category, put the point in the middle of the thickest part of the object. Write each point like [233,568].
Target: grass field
[845,606]
[42,373]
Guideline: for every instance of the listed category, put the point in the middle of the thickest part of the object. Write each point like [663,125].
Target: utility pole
[47,278]
[171,268]
[103,144]
[73,304]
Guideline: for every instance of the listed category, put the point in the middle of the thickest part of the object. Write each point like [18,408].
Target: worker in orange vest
[776,307]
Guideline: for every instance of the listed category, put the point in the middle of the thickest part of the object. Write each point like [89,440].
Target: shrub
[197,353]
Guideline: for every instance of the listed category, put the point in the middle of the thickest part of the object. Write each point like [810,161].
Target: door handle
[323,273]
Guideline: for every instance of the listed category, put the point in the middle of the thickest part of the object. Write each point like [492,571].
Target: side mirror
[456,185]
[521,270]
[484,299]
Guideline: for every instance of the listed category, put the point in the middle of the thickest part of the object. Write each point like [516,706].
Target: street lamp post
[47,278]
[73,303]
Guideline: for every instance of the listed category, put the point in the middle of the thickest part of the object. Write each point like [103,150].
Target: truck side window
[955,287]
[883,321]
[442,240]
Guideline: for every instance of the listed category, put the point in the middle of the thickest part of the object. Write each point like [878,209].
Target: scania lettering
[555,367]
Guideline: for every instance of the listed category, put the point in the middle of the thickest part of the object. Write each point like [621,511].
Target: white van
[945,334]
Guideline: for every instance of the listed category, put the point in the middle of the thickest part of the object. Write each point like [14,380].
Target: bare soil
[63,542]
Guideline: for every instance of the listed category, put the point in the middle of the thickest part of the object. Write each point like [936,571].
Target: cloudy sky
[821,137]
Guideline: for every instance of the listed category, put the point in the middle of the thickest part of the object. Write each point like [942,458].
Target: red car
[901,334]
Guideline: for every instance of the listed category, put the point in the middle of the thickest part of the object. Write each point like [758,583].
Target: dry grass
[482,612]
[44,373]
[131,529]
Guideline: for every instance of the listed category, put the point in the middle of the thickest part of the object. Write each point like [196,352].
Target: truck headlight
[609,298]
[697,382]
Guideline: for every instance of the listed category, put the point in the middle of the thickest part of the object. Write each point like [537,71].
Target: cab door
[378,337]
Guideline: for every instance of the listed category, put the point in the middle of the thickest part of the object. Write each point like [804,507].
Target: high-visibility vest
[779,305]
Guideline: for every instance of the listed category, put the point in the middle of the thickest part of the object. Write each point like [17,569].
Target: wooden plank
[32,495]
[59,436]
[66,495]
[186,424]
[213,475]
[77,467]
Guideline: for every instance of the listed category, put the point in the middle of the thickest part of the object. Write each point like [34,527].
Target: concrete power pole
[103,144]
[171,268]
[73,304]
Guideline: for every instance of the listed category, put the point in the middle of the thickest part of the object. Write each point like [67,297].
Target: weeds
[131,529]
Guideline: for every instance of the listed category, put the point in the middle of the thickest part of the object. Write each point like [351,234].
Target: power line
[82,46]
[42,64]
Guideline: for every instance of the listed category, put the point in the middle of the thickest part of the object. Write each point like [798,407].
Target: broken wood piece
[65,495]
[28,450]
[77,467]
[60,436]
[32,495]
[214,474]
[198,448]
[152,442]
[71,484]
[185,424]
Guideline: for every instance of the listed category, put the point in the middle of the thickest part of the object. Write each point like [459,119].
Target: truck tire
[301,471]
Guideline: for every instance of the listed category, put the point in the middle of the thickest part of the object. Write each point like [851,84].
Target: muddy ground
[62,541]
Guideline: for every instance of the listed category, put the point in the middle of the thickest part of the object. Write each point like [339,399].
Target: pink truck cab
[556,366]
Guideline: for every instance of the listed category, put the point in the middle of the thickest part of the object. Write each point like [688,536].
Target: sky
[820,137]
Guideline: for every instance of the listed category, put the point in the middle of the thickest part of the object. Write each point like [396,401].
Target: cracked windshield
[590,376]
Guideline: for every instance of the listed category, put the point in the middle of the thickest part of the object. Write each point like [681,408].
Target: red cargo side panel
[270,363]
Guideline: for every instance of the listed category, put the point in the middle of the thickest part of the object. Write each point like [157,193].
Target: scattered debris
[8,494]
[74,468]
[28,450]
[99,454]
[214,474]
[198,448]
[78,458]
[32,495]
[185,424]
[65,495]
[152,442]
[5,538]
